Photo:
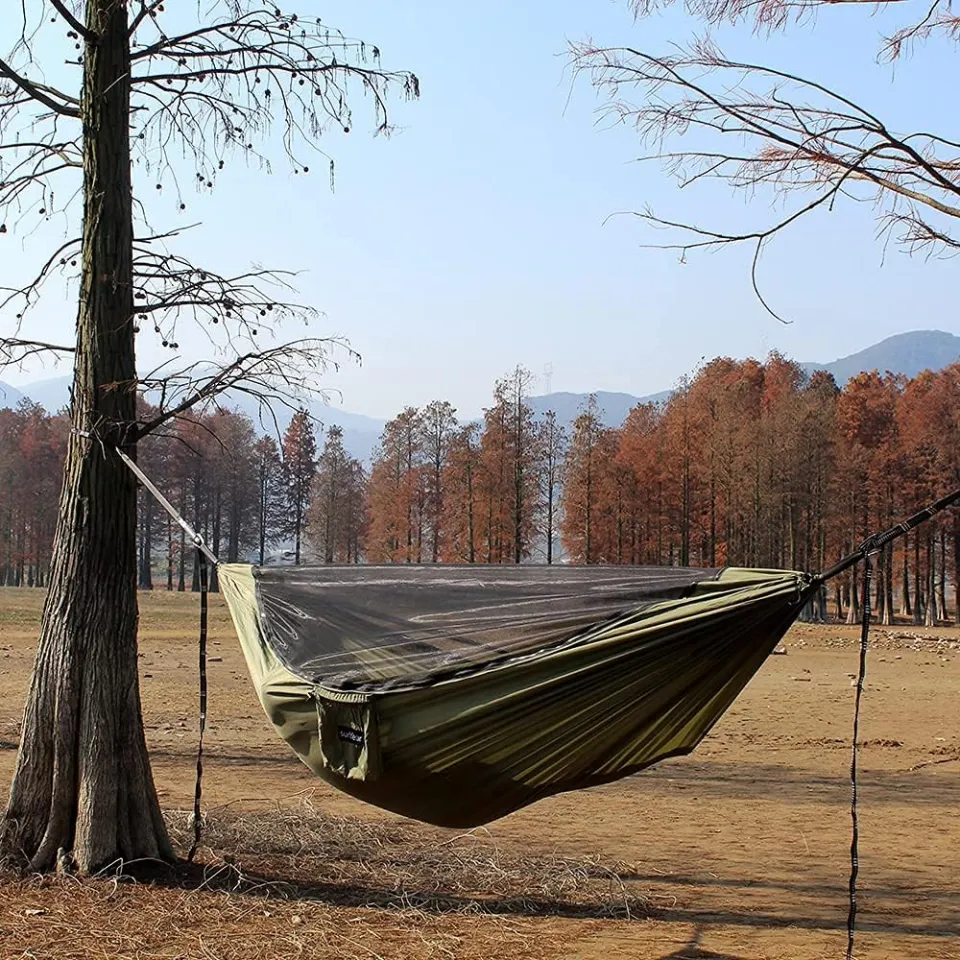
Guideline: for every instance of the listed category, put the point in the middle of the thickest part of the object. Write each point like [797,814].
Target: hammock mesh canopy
[455,695]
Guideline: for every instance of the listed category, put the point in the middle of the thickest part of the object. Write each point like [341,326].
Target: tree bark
[82,792]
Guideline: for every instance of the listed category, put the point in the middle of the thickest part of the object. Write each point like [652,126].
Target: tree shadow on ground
[271,881]
[693,951]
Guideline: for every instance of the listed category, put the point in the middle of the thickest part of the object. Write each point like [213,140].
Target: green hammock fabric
[455,697]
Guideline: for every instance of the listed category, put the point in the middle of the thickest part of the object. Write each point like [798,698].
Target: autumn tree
[640,452]
[235,481]
[461,483]
[928,419]
[336,513]
[511,454]
[438,424]
[299,469]
[397,492]
[583,470]
[553,438]
[271,494]
[817,425]
[32,445]
[866,434]
[90,92]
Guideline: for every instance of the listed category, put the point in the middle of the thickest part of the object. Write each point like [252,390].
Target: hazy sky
[474,238]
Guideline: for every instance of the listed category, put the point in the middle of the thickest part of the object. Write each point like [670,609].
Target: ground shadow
[270,884]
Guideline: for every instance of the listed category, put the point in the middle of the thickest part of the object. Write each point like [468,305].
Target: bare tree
[335,515]
[757,128]
[171,92]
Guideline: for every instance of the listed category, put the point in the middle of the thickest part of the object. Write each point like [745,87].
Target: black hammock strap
[878,541]
[854,786]
[204,573]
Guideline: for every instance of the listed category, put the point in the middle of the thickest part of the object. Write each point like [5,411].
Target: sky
[479,237]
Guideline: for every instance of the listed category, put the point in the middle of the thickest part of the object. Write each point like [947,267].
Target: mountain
[906,353]
[52,394]
[614,407]
[9,396]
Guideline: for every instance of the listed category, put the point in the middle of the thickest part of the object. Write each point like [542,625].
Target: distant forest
[747,464]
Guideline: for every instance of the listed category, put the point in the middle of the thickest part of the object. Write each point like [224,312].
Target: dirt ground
[740,851]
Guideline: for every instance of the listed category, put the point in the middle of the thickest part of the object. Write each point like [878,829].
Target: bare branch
[791,134]
[221,85]
[14,351]
[146,10]
[26,296]
[40,92]
[282,375]
[64,12]
[236,311]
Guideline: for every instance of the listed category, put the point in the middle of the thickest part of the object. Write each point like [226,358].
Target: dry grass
[295,851]
[296,882]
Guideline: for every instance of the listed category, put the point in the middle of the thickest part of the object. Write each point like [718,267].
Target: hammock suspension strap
[195,537]
[877,541]
[204,573]
[854,813]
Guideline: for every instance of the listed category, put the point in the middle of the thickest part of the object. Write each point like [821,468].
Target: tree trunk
[942,578]
[145,581]
[82,792]
[880,602]
[906,609]
[930,610]
[550,517]
[169,554]
[917,585]
[956,563]
[853,611]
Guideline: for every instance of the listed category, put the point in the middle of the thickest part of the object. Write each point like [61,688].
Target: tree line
[746,464]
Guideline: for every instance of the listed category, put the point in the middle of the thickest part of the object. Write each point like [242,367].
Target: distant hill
[9,396]
[52,394]
[905,353]
[614,407]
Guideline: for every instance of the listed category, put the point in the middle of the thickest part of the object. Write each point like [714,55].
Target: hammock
[456,695]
